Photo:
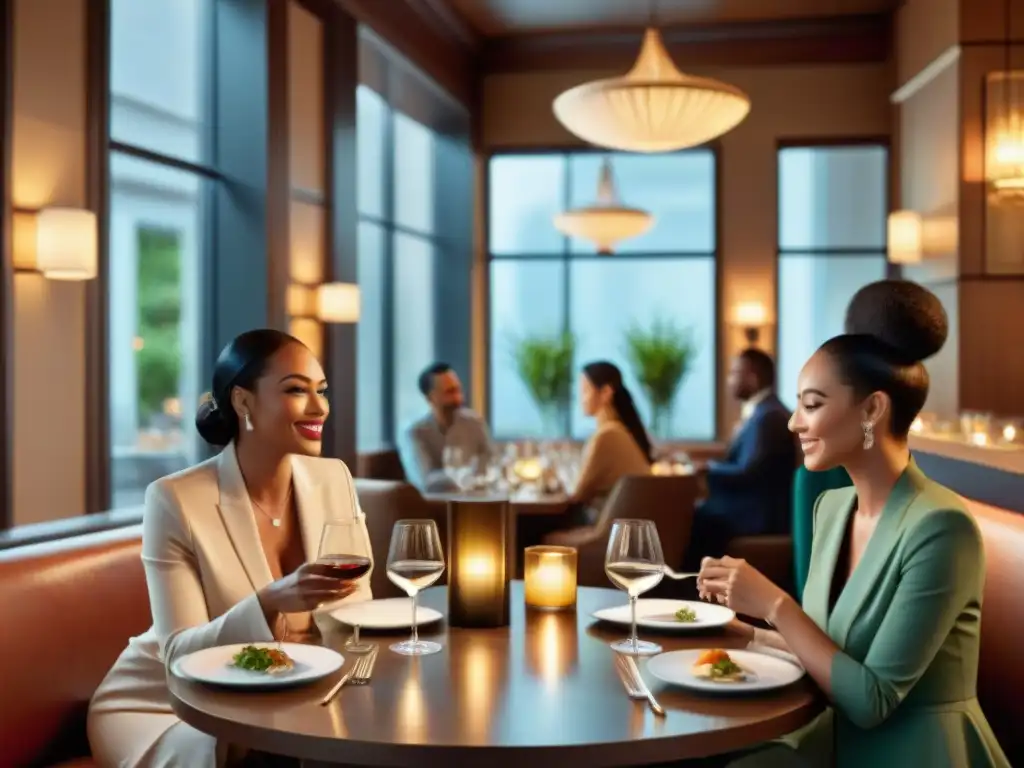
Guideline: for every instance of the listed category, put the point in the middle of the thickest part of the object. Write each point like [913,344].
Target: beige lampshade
[607,222]
[338,303]
[652,108]
[1004,134]
[66,244]
[904,237]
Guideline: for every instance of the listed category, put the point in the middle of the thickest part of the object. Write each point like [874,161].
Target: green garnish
[725,668]
[257,659]
[686,614]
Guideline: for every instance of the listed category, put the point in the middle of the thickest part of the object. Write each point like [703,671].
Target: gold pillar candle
[478,562]
[550,576]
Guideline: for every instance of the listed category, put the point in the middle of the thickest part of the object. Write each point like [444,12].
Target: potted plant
[661,357]
[544,364]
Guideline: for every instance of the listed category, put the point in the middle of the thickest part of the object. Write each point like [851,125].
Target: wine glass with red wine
[345,552]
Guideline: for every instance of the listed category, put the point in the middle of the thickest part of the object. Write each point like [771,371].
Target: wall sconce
[328,303]
[751,316]
[550,577]
[1004,135]
[478,563]
[905,237]
[58,243]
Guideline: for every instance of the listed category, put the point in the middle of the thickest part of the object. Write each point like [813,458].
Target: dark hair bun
[212,425]
[906,317]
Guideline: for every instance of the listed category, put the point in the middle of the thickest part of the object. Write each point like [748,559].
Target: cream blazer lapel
[313,502]
[239,519]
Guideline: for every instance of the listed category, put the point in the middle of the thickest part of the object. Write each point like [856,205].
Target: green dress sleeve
[941,569]
[807,487]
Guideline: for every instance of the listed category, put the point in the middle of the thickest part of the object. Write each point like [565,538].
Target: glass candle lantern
[478,576]
[550,576]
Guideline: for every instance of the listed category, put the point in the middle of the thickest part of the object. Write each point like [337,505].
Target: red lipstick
[311,430]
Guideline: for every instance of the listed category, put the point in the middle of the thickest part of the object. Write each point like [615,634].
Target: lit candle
[478,582]
[1009,433]
[528,470]
[917,427]
[550,576]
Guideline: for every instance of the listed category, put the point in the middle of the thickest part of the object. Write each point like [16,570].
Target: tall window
[160,77]
[544,286]
[832,213]
[398,248]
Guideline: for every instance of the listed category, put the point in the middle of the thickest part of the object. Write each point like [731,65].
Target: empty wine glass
[415,561]
[345,551]
[634,562]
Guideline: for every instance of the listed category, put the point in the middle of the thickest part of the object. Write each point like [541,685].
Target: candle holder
[550,578]
[478,563]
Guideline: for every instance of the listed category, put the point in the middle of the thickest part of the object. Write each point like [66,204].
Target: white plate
[214,666]
[661,614]
[766,672]
[392,613]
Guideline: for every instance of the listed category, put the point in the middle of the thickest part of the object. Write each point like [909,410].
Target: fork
[358,671]
[367,672]
[677,576]
[639,685]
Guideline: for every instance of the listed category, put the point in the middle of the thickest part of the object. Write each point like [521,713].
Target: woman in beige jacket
[228,546]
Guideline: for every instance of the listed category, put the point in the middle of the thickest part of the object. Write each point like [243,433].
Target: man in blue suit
[750,491]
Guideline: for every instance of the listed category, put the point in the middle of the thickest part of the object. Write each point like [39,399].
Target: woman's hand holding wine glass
[343,553]
[634,562]
[415,562]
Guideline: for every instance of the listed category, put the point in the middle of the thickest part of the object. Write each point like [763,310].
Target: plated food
[717,665]
[271,661]
[668,615]
[686,614]
[720,672]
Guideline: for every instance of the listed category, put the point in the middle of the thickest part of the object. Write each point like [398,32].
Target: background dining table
[542,691]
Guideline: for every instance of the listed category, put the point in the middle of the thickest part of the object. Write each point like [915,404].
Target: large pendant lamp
[607,221]
[652,108]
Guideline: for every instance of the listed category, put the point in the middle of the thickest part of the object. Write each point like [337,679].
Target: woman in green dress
[889,626]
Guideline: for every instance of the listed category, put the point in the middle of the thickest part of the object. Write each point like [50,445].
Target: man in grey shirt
[448,425]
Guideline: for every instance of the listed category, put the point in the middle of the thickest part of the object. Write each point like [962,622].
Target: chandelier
[652,108]
[607,221]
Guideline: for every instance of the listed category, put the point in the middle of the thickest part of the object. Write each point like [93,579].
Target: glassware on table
[457,464]
[415,562]
[345,552]
[635,564]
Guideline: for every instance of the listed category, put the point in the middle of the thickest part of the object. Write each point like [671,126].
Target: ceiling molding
[846,39]
[449,22]
[429,45]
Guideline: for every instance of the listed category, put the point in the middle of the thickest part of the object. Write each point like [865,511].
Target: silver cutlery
[677,576]
[624,678]
[367,672]
[641,686]
[357,671]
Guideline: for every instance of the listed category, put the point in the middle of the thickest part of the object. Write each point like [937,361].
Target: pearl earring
[869,435]
[248,423]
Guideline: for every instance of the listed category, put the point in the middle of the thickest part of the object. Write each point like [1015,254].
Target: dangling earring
[248,423]
[869,435]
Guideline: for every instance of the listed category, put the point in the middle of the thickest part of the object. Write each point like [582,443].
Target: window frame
[566,256]
[892,271]
[404,90]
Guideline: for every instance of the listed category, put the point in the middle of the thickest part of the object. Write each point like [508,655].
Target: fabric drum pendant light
[652,108]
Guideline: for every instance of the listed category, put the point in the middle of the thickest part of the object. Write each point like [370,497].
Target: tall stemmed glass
[345,551]
[415,561]
[634,563]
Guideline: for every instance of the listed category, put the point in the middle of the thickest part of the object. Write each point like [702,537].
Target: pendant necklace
[275,521]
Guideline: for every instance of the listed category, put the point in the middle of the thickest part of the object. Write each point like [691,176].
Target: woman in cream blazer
[207,567]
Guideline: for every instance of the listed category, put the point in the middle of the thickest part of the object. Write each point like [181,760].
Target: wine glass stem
[634,640]
[415,629]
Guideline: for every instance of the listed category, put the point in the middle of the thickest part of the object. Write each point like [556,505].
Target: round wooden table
[541,692]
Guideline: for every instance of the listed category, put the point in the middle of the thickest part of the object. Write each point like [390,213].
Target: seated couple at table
[619,446]
[890,618]
[229,547]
